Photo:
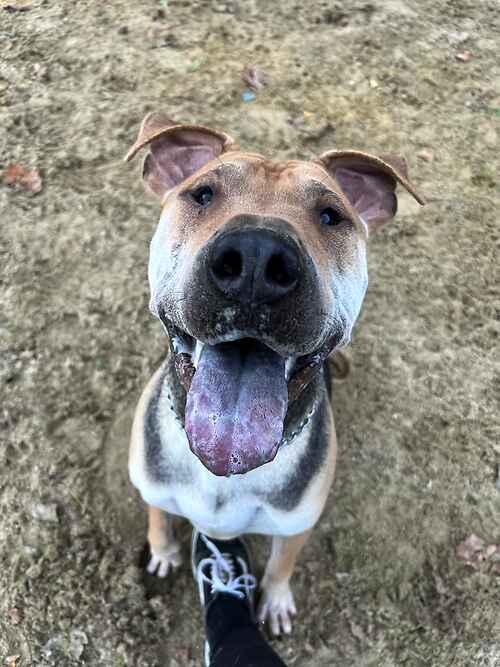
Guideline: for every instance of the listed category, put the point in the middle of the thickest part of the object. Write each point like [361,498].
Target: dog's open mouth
[236,406]
[237,398]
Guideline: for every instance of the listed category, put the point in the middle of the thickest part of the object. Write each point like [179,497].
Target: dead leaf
[17,175]
[463,56]
[474,552]
[16,615]
[254,77]
[11,660]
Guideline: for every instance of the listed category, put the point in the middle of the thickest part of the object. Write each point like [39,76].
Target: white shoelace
[221,573]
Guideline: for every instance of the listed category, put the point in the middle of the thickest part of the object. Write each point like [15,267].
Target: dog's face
[258,271]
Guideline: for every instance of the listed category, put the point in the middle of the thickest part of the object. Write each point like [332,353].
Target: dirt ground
[417,420]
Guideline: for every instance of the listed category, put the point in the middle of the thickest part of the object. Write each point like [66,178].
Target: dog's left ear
[369,182]
[176,151]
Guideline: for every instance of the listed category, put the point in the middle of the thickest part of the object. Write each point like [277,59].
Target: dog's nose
[254,266]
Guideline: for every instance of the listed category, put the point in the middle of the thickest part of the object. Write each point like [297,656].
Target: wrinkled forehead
[282,188]
[295,176]
[245,173]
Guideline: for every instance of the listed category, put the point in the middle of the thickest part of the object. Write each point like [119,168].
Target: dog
[257,272]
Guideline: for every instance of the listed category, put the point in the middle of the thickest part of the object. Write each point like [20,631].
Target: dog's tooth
[197,352]
[289,365]
[180,346]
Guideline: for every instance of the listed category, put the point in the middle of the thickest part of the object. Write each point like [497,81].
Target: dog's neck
[298,415]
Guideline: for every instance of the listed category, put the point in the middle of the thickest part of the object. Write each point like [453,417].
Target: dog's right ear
[175,151]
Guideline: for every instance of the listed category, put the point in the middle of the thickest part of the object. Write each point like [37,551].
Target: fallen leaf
[254,77]
[463,56]
[12,174]
[29,179]
[11,660]
[426,154]
[32,181]
[16,615]
[474,552]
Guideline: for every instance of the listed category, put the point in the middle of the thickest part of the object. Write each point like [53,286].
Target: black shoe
[222,567]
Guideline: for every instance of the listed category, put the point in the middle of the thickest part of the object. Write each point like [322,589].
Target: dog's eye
[329,216]
[203,195]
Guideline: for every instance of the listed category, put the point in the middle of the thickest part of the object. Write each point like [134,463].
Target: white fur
[224,506]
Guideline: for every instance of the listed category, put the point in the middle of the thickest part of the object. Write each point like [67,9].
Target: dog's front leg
[165,550]
[277,604]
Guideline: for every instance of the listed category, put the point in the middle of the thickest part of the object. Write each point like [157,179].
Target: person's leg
[235,639]
[226,585]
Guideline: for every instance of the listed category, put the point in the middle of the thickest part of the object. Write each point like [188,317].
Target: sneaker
[222,567]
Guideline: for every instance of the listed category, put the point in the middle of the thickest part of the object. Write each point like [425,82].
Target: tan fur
[161,536]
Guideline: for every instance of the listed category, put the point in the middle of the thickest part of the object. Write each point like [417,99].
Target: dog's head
[258,271]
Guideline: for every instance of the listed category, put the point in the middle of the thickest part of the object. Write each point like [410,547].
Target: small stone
[54,647]
[426,154]
[456,38]
[77,642]
[45,512]
[463,56]
[34,571]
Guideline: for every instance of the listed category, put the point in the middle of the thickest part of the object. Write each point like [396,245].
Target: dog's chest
[170,477]
[222,511]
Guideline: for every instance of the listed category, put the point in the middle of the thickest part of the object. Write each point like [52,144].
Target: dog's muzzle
[240,380]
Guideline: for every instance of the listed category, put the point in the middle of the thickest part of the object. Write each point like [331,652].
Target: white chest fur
[220,506]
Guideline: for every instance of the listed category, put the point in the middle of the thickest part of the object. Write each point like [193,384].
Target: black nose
[254,266]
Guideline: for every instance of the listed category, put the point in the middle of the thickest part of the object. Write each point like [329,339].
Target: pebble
[45,512]
[426,154]
[77,642]
[455,37]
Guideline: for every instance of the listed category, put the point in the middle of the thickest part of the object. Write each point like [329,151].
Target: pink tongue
[236,406]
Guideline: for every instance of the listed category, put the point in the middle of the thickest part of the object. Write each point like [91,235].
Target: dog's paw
[276,607]
[164,560]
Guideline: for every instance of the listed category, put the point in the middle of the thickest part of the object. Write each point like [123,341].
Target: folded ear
[175,151]
[369,182]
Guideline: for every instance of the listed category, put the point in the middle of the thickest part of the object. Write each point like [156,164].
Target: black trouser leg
[234,638]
